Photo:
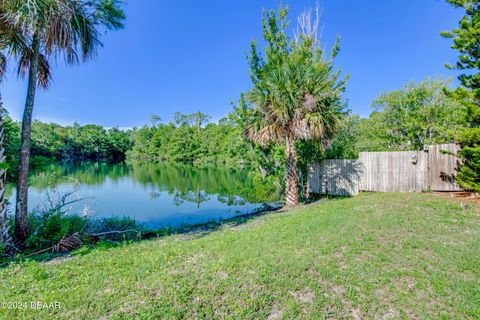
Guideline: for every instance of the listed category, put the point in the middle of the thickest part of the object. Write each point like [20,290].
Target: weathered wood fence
[433,169]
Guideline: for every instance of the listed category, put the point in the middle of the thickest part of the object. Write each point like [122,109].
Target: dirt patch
[59,260]
[463,198]
[276,312]
[356,314]
[391,314]
[305,296]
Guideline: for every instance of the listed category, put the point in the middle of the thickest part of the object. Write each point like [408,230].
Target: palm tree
[298,97]
[12,43]
[4,228]
[52,28]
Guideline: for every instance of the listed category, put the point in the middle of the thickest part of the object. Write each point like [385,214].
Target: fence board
[392,171]
[433,168]
[442,165]
[335,177]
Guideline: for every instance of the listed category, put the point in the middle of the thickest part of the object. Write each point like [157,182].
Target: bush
[47,228]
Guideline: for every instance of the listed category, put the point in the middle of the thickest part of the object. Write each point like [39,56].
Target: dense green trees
[52,141]
[466,40]
[407,119]
[191,140]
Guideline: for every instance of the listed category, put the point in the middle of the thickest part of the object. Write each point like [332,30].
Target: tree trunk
[21,213]
[291,177]
[3,208]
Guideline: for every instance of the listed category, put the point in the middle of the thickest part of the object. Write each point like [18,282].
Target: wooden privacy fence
[433,169]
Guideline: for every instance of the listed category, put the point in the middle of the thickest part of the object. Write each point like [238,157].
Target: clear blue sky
[190,55]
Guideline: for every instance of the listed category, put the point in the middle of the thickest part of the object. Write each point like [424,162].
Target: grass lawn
[411,256]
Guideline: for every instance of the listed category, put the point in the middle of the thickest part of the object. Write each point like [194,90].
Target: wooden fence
[335,177]
[433,169]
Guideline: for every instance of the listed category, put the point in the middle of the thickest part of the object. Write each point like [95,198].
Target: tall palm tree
[298,98]
[52,28]
[12,44]
[4,232]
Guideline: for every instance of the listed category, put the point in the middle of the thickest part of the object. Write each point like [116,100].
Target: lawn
[412,256]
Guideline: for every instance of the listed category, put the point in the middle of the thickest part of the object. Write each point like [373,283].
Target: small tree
[466,39]
[296,95]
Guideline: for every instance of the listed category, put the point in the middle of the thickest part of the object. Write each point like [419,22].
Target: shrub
[47,228]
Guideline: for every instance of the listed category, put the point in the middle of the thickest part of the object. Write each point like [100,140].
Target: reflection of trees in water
[88,173]
[195,185]
[183,183]
[232,200]
[154,194]
[198,197]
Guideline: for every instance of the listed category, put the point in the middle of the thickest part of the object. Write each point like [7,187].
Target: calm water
[154,194]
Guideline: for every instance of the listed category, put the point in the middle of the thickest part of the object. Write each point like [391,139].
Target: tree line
[53,142]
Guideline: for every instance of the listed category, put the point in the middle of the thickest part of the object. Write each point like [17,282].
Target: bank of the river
[372,256]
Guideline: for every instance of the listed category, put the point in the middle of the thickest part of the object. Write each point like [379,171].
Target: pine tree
[466,40]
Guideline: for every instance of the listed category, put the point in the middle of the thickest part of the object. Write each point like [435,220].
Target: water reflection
[156,194]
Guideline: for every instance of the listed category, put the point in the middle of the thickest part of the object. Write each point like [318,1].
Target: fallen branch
[65,245]
[110,232]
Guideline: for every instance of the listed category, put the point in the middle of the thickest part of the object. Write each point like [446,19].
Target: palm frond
[264,135]
[298,98]
[44,75]
[3,65]
[44,72]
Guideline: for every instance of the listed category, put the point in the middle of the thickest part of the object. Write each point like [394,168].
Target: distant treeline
[51,141]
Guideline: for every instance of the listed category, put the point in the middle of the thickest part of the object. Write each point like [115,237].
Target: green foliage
[296,92]
[51,141]
[11,143]
[466,40]
[192,140]
[469,173]
[344,145]
[407,119]
[47,228]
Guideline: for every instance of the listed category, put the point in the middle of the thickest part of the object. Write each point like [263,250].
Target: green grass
[372,256]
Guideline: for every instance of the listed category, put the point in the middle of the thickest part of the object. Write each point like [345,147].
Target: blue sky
[190,55]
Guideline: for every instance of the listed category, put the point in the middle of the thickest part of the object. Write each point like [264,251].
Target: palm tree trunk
[3,175]
[291,177]
[21,213]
